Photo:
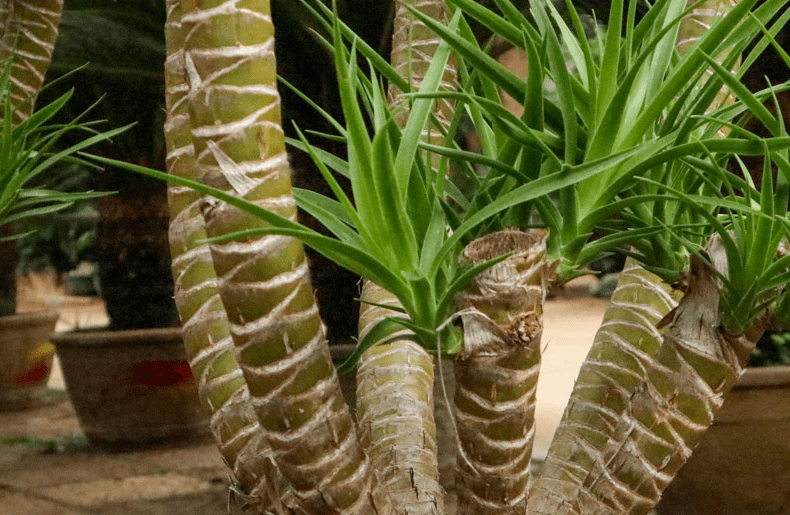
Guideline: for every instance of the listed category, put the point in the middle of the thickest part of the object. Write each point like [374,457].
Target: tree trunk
[207,338]
[395,413]
[496,374]
[30,28]
[263,281]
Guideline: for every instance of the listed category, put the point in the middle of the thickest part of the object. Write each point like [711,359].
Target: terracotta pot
[25,358]
[131,387]
[742,464]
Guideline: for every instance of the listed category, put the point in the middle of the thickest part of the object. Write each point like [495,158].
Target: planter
[25,358]
[742,464]
[131,387]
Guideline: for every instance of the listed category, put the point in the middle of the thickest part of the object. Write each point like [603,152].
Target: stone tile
[126,489]
[38,470]
[213,502]
[18,503]
[54,419]
[199,456]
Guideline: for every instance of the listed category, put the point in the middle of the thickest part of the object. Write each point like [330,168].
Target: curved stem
[207,338]
[29,31]
[626,339]
[263,282]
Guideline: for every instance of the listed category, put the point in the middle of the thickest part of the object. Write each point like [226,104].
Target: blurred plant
[58,241]
[30,148]
[773,348]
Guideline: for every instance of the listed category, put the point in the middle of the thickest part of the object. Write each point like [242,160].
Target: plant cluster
[624,153]
[630,149]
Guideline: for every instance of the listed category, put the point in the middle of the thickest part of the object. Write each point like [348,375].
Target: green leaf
[393,222]
[486,64]
[756,107]
[567,103]
[421,110]
[567,176]
[330,21]
[330,213]
[385,331]
[348,207]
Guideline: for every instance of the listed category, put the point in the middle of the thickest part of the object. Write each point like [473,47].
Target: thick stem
[264,283]
[627,338]
[30,28]
[657,406]
[395,381]
[395,413]
[497,372]
[207,338]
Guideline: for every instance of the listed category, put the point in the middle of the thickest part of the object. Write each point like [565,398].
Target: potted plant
[129,382]
[259,300]
[29,149]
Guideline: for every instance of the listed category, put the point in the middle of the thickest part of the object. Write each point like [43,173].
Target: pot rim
[103,336]
[764,377]
[43,316]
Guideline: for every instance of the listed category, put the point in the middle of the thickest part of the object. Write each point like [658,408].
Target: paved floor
[46,467]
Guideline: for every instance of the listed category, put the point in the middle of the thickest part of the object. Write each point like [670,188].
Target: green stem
[29,30]
[263,281]
[614,366]
[207,338]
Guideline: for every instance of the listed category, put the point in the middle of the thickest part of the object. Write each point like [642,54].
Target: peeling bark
[659,406]
[395,413]
[207,338]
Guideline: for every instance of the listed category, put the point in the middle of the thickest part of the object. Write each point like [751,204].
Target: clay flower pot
[131,387]
[25,358]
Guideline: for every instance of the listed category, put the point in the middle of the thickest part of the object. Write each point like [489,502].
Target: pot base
[26,356]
